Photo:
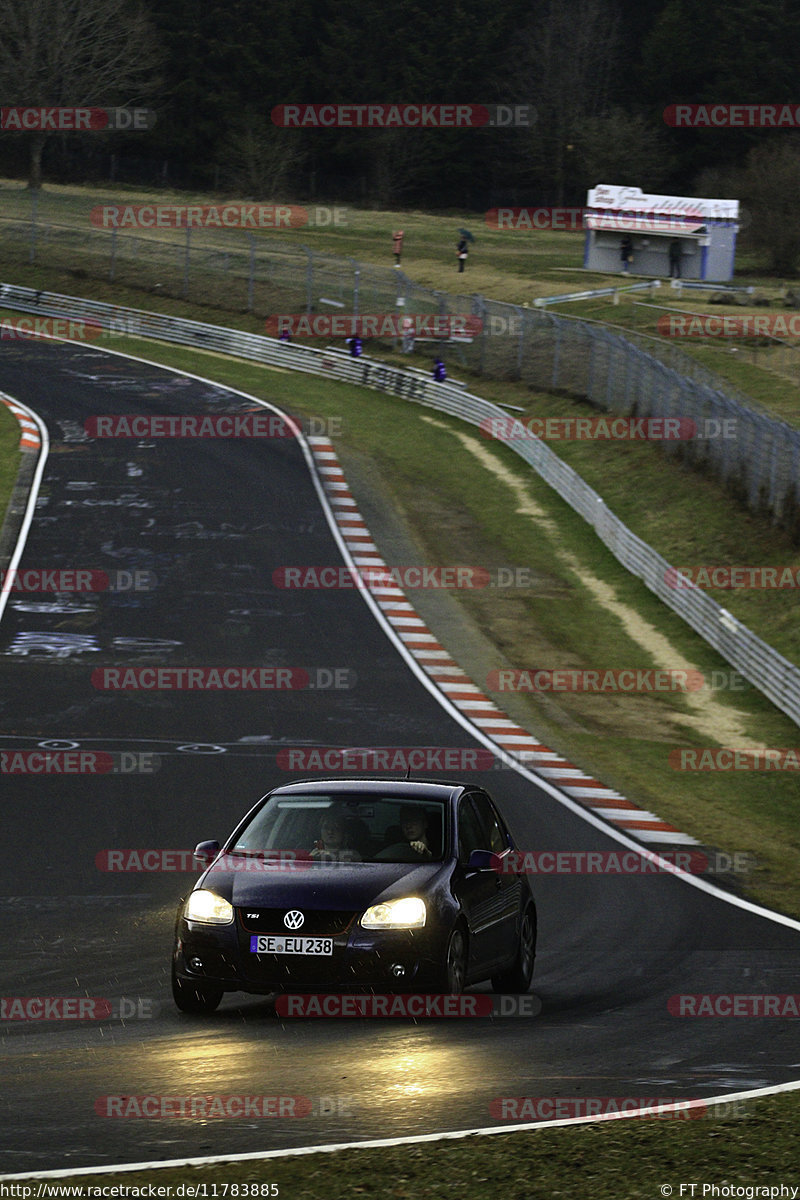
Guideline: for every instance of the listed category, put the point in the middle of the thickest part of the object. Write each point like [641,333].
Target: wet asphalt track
[212,520]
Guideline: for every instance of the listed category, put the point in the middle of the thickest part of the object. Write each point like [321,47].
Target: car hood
[331,886]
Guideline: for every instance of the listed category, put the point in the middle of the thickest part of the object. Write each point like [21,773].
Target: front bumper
[386,960]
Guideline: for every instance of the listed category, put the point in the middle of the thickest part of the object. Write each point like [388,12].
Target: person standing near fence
[626,251]
[461,251]
[675,258]
[397,246]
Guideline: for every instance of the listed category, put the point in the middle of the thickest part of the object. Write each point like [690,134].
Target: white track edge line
[680,1106]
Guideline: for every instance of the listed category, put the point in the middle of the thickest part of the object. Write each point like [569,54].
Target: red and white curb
[30,438]
[451,679]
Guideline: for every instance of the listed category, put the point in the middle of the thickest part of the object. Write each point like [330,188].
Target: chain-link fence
[630,374]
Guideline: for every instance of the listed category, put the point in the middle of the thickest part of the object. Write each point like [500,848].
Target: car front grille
[316,922]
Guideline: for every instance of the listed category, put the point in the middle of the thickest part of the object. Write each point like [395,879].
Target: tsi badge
[293,919]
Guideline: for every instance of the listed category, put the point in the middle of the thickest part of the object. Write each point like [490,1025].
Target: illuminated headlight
[209,908]
[408,913]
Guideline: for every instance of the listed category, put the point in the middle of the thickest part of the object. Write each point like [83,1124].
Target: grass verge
[747,1145]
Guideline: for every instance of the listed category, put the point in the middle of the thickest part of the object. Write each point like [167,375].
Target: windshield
[345,828]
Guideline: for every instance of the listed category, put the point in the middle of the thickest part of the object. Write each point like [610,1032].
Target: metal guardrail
[565,297]
[698,286]
[758,662]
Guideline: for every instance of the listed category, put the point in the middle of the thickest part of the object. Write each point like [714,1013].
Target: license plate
[261,943]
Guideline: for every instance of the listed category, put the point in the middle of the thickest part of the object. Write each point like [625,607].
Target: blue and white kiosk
[700,232]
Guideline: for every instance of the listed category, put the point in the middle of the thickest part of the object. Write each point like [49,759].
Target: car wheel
[454,967]
[194,998]
[518,976]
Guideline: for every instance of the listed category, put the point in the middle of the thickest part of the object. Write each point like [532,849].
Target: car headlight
[208,908]
[408,913]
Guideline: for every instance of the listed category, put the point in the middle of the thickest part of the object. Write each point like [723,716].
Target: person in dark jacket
[439,371]
[462,250]
[626,251]
[354,346]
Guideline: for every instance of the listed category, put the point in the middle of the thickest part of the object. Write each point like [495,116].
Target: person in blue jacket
[439,371]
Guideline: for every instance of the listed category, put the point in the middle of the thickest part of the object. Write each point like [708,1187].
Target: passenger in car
[414,825]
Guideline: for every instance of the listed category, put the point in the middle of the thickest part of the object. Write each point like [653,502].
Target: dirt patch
[718,722]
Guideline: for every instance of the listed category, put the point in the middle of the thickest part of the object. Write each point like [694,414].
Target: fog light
[196,963]
[398,970]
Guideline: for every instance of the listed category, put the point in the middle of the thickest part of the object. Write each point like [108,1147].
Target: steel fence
[758,662]
[627,373]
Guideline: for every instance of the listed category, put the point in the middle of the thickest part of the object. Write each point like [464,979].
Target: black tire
[194,998]
[453,970]
[518,976]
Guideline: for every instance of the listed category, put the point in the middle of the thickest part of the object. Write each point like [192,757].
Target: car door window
[494,836]
[470,833]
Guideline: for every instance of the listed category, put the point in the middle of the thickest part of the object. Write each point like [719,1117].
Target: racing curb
[14,524]
[30,438]
[459,689]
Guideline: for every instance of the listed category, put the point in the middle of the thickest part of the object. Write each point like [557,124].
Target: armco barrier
[763,666]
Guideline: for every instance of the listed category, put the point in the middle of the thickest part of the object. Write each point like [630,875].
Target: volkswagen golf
[332,885]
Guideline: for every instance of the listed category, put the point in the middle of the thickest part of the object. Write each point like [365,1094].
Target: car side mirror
[481,860]
[206,852]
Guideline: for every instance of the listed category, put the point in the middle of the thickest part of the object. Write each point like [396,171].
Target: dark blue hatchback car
[333,885]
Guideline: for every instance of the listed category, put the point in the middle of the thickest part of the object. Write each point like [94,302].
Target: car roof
[423,789]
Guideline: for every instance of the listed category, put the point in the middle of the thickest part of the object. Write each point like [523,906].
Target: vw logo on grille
[293,919]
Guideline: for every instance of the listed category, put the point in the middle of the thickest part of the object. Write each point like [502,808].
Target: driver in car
[330,846]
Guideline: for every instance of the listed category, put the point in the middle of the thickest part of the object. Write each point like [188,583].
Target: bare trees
[65,53]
